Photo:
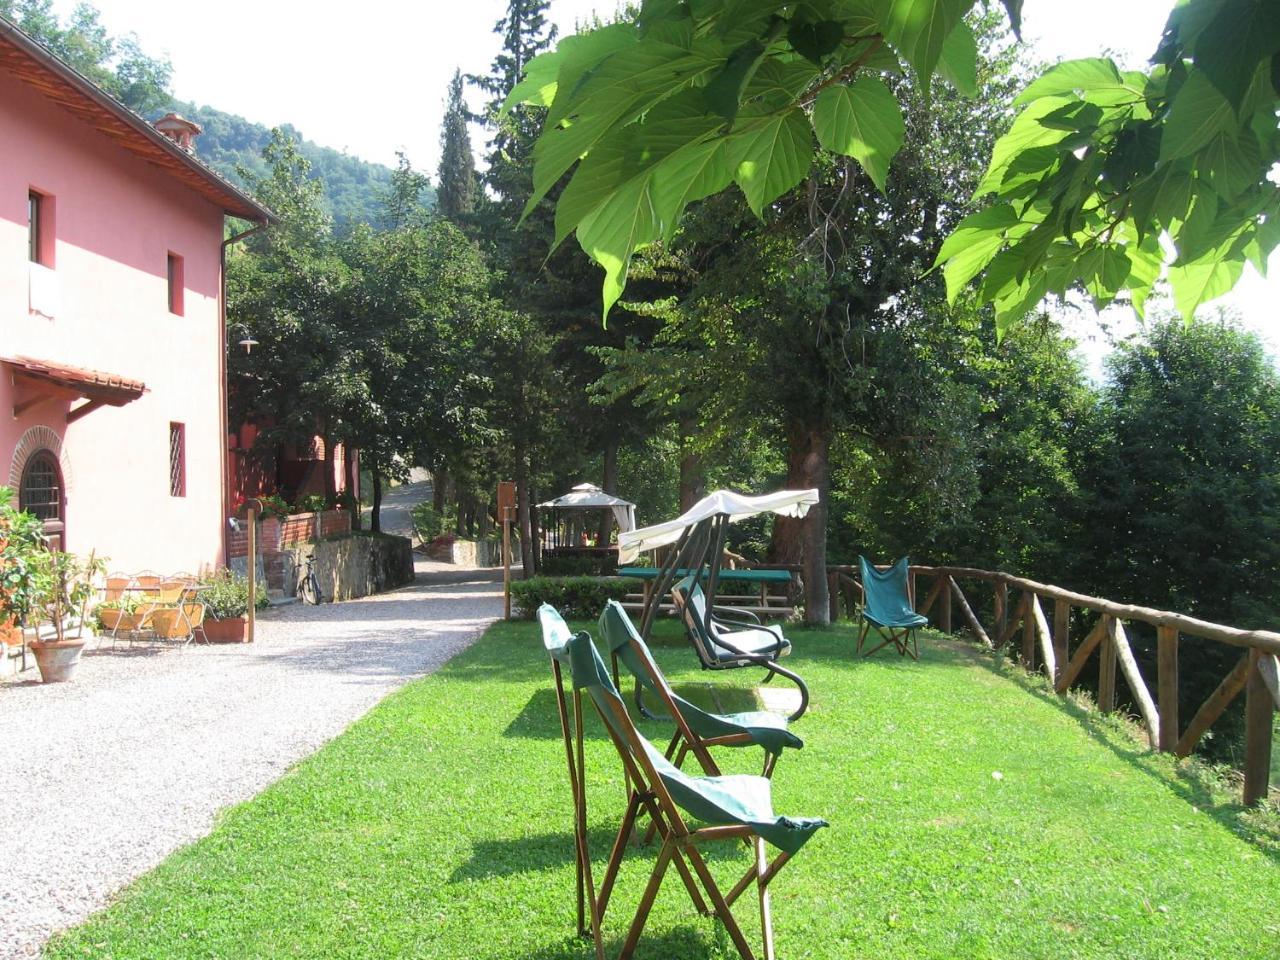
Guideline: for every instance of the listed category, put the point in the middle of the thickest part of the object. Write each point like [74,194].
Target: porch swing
[723,638]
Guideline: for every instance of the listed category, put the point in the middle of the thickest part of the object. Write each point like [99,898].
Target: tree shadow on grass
[510,856]
[1190,782]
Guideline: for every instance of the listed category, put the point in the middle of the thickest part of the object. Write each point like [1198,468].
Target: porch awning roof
[95,386]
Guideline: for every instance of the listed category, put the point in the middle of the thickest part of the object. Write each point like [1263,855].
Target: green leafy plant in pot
[21,546]
[44,589]
[66,586]
[226,601]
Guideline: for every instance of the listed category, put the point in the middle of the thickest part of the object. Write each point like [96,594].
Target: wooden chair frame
[900,637]
[679,847]
[685,740]
[679,843]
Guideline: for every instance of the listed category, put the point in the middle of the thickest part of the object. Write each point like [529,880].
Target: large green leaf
[973,244]
[723,94]
[770,156]
[959,63]
[1093,74]
[1204,280]
[617,91]
[863,121]
[538,88]
[1242,34]
[1027,132]
[1014,8]
[919,28]
[1199,113]
[633,151]
[694,171]
[615,230]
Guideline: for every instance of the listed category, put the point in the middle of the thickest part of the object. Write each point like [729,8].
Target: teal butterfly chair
[887,608]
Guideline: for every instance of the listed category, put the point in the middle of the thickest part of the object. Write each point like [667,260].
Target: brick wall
[276,535]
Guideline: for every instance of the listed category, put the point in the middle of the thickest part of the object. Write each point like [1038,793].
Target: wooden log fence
[1256,675]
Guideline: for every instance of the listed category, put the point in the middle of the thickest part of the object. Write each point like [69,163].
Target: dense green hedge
[577,598]
[603,566]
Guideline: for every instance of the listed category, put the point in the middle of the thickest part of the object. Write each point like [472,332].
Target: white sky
[370,78]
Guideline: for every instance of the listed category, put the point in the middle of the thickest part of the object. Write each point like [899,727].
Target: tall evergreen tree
[456,194]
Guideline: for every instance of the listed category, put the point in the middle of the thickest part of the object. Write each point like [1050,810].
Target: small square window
[177,460]
[176,285]
[40,229]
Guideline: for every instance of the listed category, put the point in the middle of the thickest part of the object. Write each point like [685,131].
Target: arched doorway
[41,492]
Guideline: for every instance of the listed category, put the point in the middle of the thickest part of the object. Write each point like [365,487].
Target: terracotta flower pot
[230,630]
[57,659]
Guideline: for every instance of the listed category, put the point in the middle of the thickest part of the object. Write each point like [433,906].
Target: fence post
[251,615]
[833,596]
[1259,710]
[1167,685]
[1107,669]
[1002,609]
[944,598]
[1028,636]
[1061,638]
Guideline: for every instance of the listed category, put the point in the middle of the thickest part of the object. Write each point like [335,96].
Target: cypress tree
[456,178]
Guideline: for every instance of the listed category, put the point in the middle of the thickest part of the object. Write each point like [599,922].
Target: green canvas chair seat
[696,728]
[723,643]
[887,607]
[732,807]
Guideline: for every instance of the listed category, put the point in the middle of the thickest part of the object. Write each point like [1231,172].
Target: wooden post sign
[506,509]
[254,509]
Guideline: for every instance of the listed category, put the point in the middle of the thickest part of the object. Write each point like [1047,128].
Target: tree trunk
[808,465]
[330,491]
[439,489]
[375,511]
[535,527]
[608,483]
[693,480]
[349,484]
[523,512]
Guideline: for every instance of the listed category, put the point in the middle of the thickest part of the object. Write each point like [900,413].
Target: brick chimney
[180,130]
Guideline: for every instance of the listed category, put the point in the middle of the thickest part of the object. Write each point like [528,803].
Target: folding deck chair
[737,807]
[888,607]
[556,637]
[722,643]
[696,729]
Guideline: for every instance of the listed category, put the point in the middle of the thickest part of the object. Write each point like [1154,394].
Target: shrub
[227,595]
[311,503]
[428,523]
[577,598]
[579,566]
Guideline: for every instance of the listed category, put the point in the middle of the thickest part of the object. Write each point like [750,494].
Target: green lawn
[438,826]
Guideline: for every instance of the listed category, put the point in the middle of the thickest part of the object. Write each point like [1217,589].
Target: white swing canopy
[587,496]
[785,503]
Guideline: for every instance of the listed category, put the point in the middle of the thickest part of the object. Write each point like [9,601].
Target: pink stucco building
[112,405]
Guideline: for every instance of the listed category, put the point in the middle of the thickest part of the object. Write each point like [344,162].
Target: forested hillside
[353,188]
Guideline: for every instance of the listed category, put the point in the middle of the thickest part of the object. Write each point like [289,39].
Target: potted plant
[226,601]
[65,586]
[21,547]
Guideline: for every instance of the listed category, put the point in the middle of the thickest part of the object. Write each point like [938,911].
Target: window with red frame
[177,460]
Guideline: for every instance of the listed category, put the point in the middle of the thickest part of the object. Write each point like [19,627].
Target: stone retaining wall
[471,553]
[352,566]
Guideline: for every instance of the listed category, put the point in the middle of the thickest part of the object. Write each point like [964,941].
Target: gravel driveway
[103,777]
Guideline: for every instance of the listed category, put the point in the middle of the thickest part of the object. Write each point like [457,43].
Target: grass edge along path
[972,815]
